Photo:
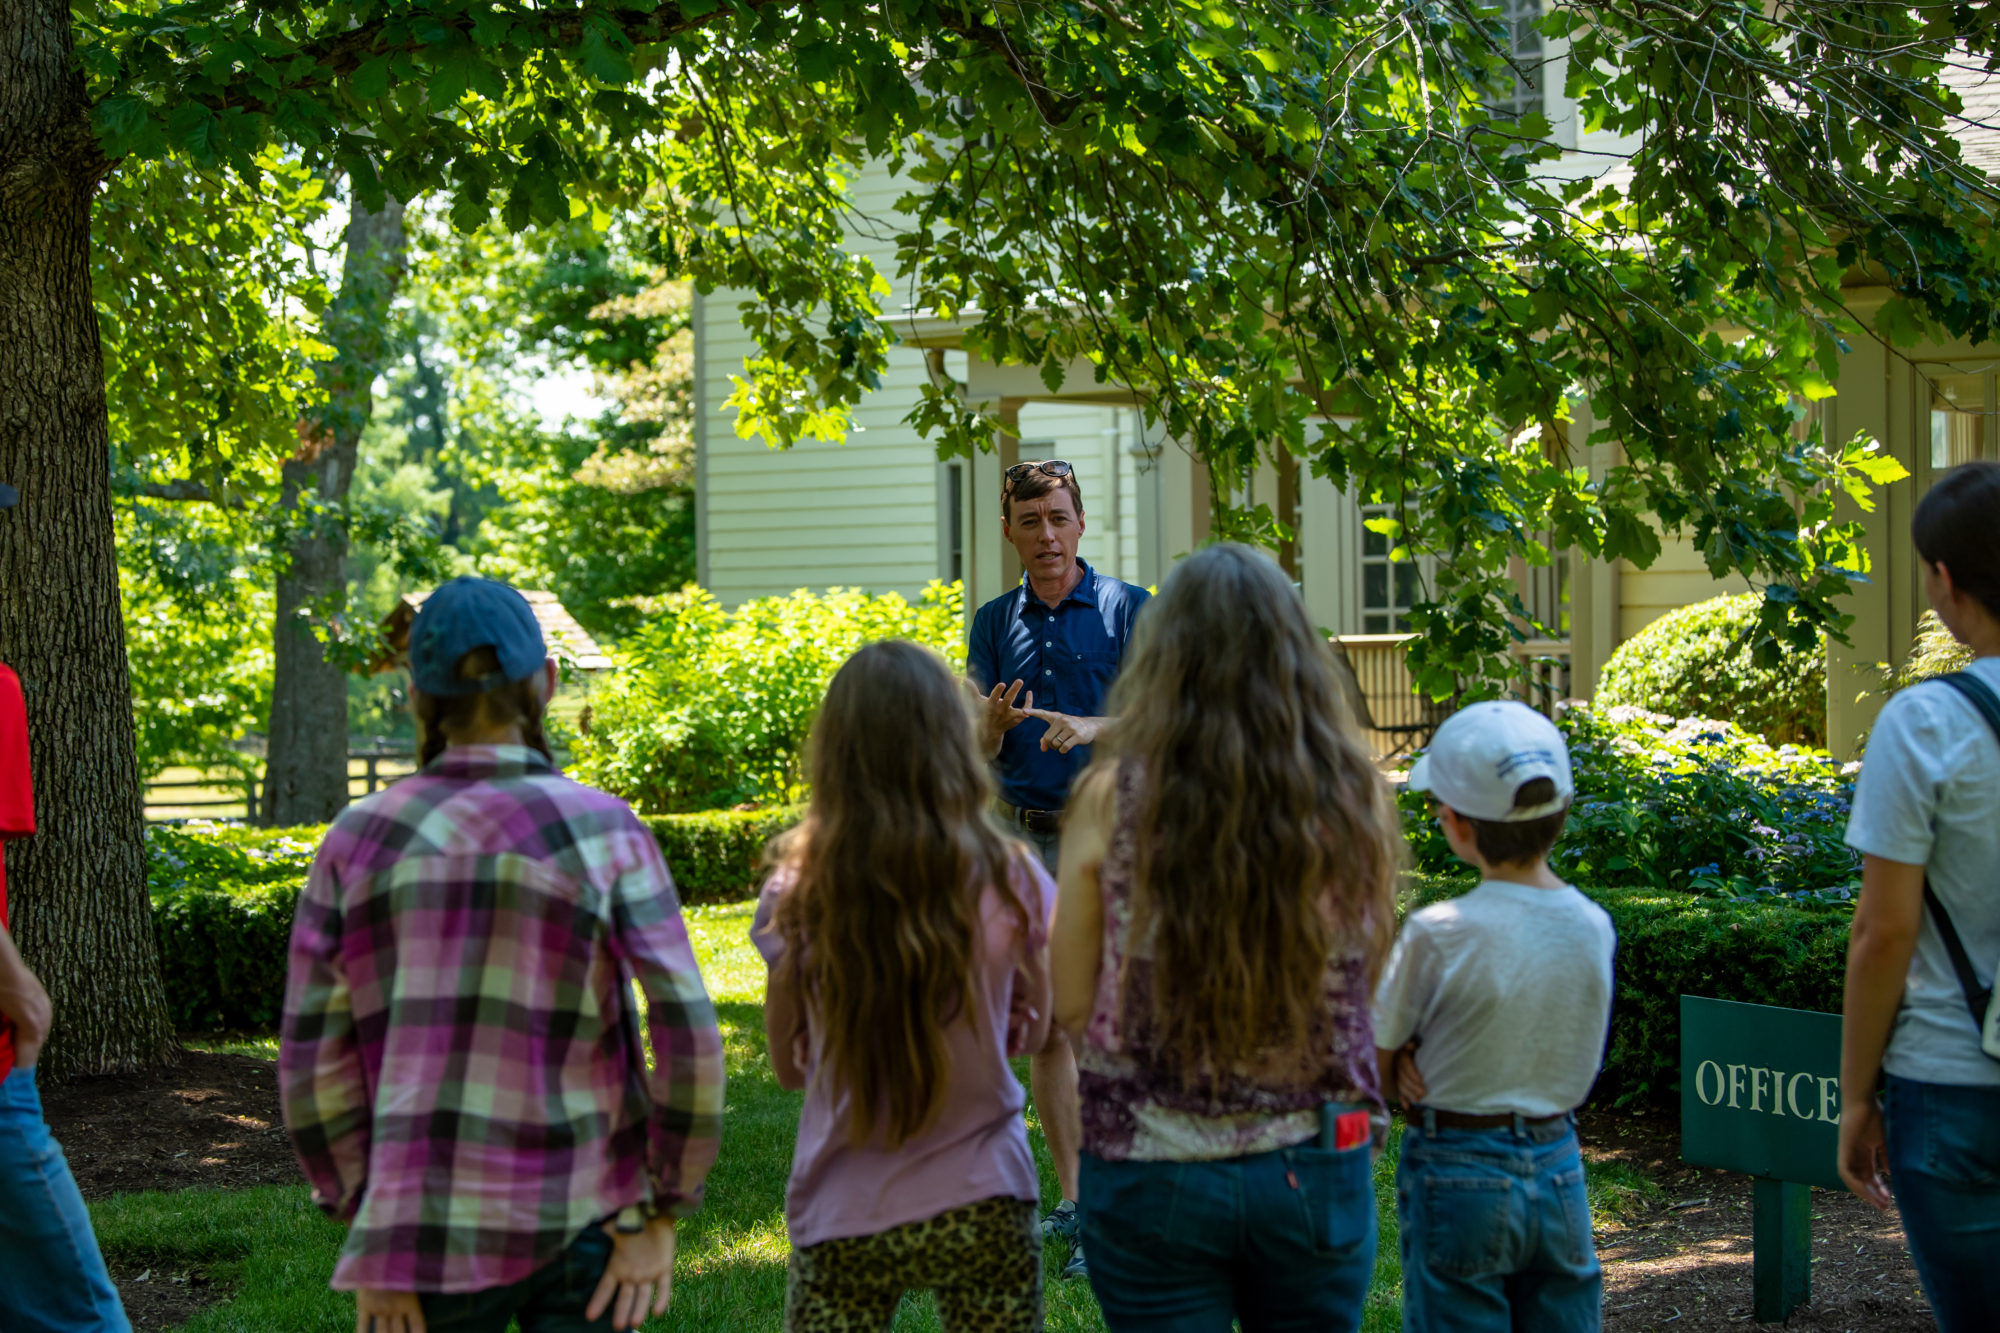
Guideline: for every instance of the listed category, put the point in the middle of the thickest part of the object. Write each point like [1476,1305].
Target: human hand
[377,1311]
[1409,1086]
[1065,733]
[1000,716]
[1862,1153]
[639,1275]
[26,1004]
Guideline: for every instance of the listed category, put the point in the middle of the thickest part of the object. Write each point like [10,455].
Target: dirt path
[1683,1264]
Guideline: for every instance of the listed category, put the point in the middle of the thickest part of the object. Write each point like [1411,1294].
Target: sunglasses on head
[1053,467]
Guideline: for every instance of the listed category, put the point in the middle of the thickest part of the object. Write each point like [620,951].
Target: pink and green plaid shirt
[461,1067]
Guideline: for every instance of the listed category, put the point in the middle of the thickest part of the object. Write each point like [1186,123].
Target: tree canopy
[1254,214]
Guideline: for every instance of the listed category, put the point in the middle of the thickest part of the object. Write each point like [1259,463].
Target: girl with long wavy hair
[1228,876]
[907,941]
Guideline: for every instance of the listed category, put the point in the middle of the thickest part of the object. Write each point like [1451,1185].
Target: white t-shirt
[1510,989]
[1929,795]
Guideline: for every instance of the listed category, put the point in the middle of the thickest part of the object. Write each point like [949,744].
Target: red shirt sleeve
[17,807]
[17,788]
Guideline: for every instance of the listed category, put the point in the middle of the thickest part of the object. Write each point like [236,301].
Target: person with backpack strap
[1925,945]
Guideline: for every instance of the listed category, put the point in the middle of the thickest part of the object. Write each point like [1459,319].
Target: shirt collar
[1085,590]
[476,763]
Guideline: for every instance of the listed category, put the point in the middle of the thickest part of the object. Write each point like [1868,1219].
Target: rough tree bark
[77,889]
[305,776]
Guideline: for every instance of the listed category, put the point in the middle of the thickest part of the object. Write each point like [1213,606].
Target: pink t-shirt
[978,1147]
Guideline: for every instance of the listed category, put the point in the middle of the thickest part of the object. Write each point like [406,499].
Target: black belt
[1045,822]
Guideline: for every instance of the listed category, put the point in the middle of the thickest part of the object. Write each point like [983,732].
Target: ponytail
[517,703]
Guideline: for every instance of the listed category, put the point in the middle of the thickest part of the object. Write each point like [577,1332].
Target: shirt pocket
[1092,673]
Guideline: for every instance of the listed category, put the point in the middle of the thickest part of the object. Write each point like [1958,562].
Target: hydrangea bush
[1692,805]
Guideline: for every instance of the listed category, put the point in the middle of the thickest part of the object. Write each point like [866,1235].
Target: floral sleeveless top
[1134,1108]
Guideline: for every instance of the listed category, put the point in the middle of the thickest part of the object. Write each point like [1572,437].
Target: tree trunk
[77,889]
[305,778]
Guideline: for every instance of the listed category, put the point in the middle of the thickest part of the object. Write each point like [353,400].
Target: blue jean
[549,1300]
[1944,1166]
[1280,1240]
[52,1278]
[1496,1231]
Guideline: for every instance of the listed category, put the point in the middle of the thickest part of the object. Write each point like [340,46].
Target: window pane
[1406,585]
[1375,586]
[1374,543]
[1374,624]
[1959,428]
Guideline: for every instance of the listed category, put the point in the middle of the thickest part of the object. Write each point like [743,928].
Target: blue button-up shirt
[1068,656]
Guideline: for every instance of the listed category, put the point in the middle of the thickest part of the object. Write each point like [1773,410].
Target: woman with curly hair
[1227,900]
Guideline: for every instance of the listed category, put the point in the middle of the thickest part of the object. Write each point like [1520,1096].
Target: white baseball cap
[1482,754]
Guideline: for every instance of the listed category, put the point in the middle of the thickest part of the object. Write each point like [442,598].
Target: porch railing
[1397,719]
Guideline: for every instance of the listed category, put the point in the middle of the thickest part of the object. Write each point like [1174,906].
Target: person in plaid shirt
[461,1068]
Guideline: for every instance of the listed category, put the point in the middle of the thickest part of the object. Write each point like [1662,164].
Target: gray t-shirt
[1510,989]
[1929,795]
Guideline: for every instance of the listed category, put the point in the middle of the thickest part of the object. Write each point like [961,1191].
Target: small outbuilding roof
[568,641]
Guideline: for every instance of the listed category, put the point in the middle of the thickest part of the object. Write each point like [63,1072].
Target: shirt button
[1048,643]
[1048,671]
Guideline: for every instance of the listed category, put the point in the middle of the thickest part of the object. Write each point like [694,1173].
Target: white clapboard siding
[870,511]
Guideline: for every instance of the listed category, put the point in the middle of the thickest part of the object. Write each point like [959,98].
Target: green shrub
[1669,945]
[1693,806]
[1700,661]
[222,913]
[223,899]
[717,856]
[1934,652]
[710,708]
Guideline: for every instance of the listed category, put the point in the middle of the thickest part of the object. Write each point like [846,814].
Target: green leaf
[604,53]
[371,81]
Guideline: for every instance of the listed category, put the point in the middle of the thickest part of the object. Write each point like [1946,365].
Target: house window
[954,489]
[1389,588]
[1516,95]
[1962,408]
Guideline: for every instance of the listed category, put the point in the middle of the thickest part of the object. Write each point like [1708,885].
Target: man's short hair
[1034,486]
[1510,842]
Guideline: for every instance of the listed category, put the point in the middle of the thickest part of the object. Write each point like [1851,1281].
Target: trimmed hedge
[717,856]
[1701,661]
[223,899]
[1672,944]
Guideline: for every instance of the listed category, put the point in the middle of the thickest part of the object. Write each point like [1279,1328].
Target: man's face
[1045,532]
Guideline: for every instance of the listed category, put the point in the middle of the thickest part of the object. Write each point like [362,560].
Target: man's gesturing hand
[1065,733]
[1000,716]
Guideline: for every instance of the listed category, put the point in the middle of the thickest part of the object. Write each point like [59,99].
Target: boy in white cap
[1490,1021]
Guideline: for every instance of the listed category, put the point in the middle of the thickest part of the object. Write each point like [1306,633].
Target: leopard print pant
[983,1260]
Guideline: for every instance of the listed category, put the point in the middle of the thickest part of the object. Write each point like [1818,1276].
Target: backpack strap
[1977,997]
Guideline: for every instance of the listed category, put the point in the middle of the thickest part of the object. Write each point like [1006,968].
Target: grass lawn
[277,1251]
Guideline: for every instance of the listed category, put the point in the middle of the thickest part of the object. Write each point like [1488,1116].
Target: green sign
[1760,1094]
[1760,1090]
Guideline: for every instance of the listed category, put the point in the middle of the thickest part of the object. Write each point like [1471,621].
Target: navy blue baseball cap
[469,613]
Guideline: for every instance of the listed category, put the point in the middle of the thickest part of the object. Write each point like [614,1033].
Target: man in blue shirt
[1044,655]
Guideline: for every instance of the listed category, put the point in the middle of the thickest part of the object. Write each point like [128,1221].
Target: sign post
[1760,1094]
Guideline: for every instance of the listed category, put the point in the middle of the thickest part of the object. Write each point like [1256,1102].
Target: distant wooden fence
[228,793]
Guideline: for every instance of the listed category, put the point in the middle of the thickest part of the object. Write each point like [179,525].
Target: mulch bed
[1683,1264]
[212,1122]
